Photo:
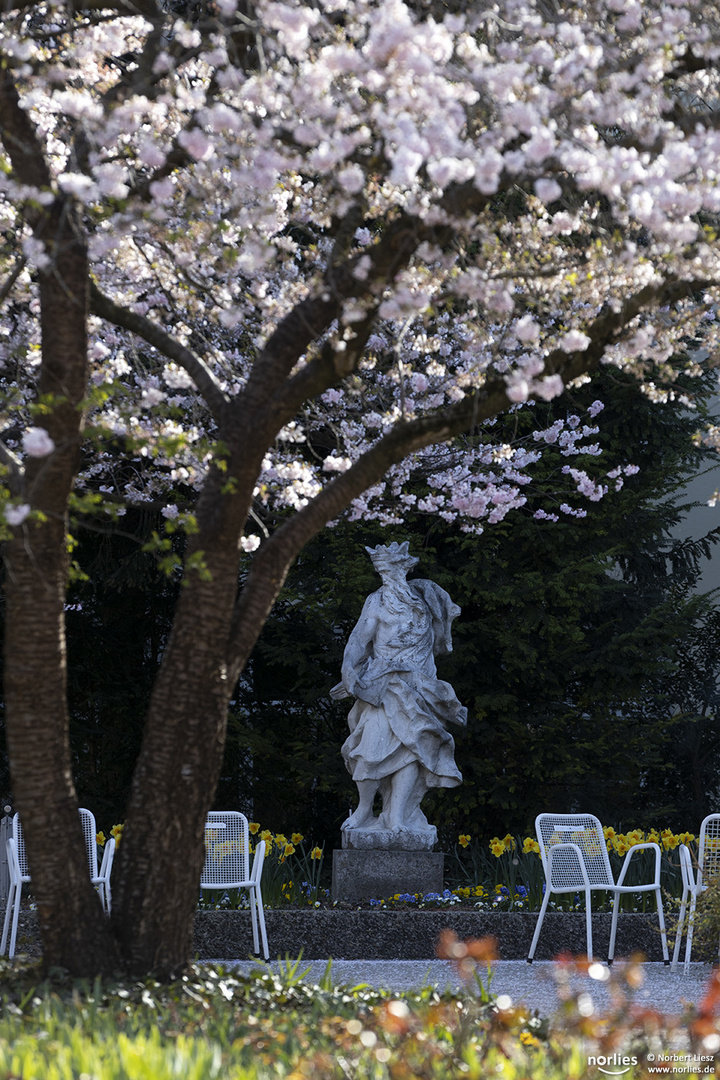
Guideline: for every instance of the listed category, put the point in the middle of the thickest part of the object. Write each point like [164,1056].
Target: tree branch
[271,563]
[20,138]
[8,285]
[215,397]
[123,7]
[399,241]
[14,467]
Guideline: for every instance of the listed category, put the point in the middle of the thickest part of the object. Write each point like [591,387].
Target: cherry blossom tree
[264,265]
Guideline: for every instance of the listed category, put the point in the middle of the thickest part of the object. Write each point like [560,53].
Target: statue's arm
[442,610]
[358,650]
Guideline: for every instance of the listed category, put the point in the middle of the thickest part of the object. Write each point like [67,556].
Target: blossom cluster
[546,171]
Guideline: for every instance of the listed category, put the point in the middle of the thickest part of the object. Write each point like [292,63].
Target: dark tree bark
[73,928]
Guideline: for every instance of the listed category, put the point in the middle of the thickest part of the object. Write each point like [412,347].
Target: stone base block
[376,874]
[402,839]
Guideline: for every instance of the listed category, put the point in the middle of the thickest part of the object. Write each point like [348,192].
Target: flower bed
[500,875]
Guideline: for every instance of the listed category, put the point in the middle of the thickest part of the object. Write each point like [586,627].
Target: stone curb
[413,935]
[400,935]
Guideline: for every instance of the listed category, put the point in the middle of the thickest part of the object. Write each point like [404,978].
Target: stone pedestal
[377,874]
[402,839]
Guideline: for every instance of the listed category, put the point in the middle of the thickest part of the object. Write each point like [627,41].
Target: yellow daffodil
[267,836]
[530,844]
[254,827]
[280,840]
[316,853]
[686,838]
[463,839]
[509,842]
[609,832]
[116,833]
[297,838]
[497,847]
[670,842]
[101,838]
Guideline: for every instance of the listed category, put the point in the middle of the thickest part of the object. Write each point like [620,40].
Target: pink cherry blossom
[37,443]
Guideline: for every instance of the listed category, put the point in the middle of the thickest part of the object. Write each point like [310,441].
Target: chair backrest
[709,848]
[89,828]
[227,850]
[686,868]
[87,820]
[586,832]
[107,860]
[19,838]
[16,874]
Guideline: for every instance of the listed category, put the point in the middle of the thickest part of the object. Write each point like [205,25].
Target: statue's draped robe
[401,706]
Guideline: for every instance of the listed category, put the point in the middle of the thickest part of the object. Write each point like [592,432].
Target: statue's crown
[390,554]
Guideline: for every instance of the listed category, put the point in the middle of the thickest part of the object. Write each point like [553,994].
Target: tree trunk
[75,934]
[160,861]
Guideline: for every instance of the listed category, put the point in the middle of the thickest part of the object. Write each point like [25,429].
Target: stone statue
[398,744]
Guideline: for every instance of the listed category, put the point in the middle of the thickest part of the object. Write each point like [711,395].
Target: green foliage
[214,1023]
[117,623]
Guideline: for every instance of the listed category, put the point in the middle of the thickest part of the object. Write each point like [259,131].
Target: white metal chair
[102,882]
[19,873]
[575,859]
[691,888]
[100,878]
[227,862]
[695,882]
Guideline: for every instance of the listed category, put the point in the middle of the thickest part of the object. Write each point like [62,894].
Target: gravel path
[535,985]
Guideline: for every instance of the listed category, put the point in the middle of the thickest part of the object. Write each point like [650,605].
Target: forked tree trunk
[155,890]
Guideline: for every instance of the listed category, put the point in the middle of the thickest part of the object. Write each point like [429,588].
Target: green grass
[212,1023]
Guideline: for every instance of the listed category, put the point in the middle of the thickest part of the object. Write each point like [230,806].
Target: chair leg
[261,920]
[588,923]
[254,920]
[663,932]
[689,937]
[613,927]
[8,912]
[679,932]
[538,924]
[15,918]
